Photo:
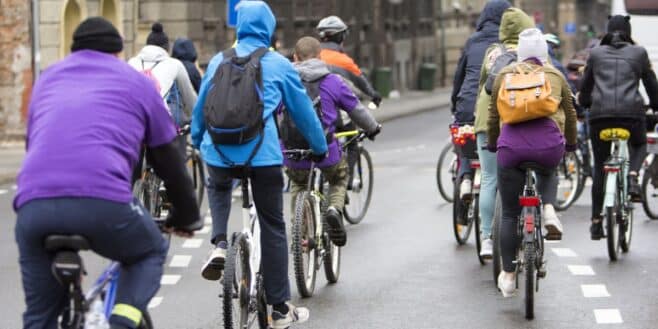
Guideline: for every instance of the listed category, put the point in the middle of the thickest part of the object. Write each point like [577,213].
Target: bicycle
[68,268]
[446,171]
[571,180]
[243,293]
[650,177]
[618,210]
[530,252]
[359,187]
[311,245]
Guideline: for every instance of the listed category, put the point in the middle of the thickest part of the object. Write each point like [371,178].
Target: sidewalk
[410,103]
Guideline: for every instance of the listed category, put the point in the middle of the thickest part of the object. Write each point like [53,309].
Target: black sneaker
[596,230]
[634,189]
[337,233]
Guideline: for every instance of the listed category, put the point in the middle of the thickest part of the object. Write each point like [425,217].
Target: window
[642,7]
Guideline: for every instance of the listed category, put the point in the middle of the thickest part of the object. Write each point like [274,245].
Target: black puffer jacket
[612,78]
[185,52]
[467,75]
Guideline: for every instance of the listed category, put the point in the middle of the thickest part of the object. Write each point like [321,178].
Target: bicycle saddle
[610,134]
[57,242]
[534,166]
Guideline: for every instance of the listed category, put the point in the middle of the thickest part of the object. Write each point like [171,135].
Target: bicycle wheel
[146,322]
[236,283]
[495,235]
[476,220]
[650,196]
[626,230]
[358,197]
[462,224]
[570,179]
[261,305]
[612,230]
[331,259]
[304,250]
[196,169]
[529,258]
[446,170]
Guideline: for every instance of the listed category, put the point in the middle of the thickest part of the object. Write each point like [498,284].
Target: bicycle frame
[314,188]
[108,281]
[251,229]
[616,171]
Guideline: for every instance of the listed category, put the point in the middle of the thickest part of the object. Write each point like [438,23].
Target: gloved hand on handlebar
[318,157]
[570,147]
[372,134]
[377,99]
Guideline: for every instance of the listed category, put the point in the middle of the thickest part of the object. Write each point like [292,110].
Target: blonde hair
[307,48]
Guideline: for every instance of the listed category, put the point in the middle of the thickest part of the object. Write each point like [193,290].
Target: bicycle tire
[443,190]
[146,322]
[626,233]
[478,235]
[459,210]
[356,216]
[331,261]
[198,175]
[261,306]
[647,196]
[529,254]
[235,299]
[495,235]
[303,226]
[575,176]
[612,230]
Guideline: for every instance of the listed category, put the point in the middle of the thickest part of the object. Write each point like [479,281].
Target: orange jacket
[339,59]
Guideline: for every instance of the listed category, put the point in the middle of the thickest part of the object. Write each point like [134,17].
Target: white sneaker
[212,269]
[507,283]
[294,315]
[552,223]
[465,188]
[487,249]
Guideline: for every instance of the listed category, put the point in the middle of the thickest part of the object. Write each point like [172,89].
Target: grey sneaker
[294,315]
[487,249]
[212,269]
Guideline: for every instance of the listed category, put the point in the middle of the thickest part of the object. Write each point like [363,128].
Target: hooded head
[184,50]
[255,21]
[492,13]
[532,45]
[513,23]
[618,30]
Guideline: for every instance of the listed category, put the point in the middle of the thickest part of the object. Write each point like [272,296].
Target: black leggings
[510,186]
[637,149]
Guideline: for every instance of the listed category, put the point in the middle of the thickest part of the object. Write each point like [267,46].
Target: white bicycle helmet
[552,39]
[331,25]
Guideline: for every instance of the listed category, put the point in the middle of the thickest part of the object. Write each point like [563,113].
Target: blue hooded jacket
[281,84]
[467,75]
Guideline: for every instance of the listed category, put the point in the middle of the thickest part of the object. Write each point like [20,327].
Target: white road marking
[552,241]
[205,230]
[608,316]
[192,243]
[564,252]
[581,270]
[3,192]
[594,290]
[155,302]
[180,261]
[208,219]
[170,279]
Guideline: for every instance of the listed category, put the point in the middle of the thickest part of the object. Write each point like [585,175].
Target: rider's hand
[377,99]
[570,147]
[492,148]
[318,157]
[371,135]
[182,225]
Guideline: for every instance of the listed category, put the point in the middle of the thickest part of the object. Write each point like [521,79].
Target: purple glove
[570,147]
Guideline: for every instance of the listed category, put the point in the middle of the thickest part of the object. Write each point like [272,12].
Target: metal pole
[442,44]
[36,49]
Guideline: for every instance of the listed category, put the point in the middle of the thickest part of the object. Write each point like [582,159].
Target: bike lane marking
[4,192]
[180,261]
[594,290]
[608,316]
[155,302]
[564,252]
[192,243]
[581,270]
[170,279]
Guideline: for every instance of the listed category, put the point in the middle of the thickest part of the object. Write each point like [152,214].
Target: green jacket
[514,21]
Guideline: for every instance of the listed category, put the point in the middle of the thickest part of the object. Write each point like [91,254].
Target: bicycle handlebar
[298,154]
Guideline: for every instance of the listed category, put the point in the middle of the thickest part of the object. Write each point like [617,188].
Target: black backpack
[291,137]
[233,111]
[507,57]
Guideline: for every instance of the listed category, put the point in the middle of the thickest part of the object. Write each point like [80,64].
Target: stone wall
[15,65]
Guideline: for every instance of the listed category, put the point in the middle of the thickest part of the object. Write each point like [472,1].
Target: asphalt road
[402,267]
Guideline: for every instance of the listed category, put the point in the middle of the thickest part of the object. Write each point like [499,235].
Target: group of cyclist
[506,42]
[82,151]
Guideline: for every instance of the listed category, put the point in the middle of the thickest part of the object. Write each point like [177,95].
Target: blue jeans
[122,232]
[267,190]
[488,184]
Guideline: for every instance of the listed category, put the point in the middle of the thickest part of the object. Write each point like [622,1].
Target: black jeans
[267,190]
[637,150]
[510,185]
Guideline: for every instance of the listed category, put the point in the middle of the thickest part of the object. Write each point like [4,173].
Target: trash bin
[427,76]
[382,79]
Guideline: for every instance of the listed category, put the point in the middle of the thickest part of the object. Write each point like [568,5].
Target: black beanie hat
[619,23]
[97,33]
[157,37]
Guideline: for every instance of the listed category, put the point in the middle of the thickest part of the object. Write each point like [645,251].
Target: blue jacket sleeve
[198,126]
[301,109]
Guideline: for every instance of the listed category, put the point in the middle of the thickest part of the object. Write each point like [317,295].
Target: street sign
[231,13]
[570,28]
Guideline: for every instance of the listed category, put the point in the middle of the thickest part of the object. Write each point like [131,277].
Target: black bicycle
[359,186]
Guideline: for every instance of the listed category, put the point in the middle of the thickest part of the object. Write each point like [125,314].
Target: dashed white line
[564,252]
[552,241]
[608,316]
[594,290]
[170,279]
[155,302]
[192,243]
[205,230]
[581,270]
[180,261]
[3,192]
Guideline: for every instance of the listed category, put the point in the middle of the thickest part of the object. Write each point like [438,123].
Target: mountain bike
[311,245]
[530,256]
[359,186]
[446,171]
[650,177]
[571,180]
[618,209]
[243,293]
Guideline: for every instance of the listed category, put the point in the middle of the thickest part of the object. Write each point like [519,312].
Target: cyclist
[281,86]
[185,52]
[334,95]
[513,22]
[465,84]
[82,149]
[169,73]
[540,140]
[610,89]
